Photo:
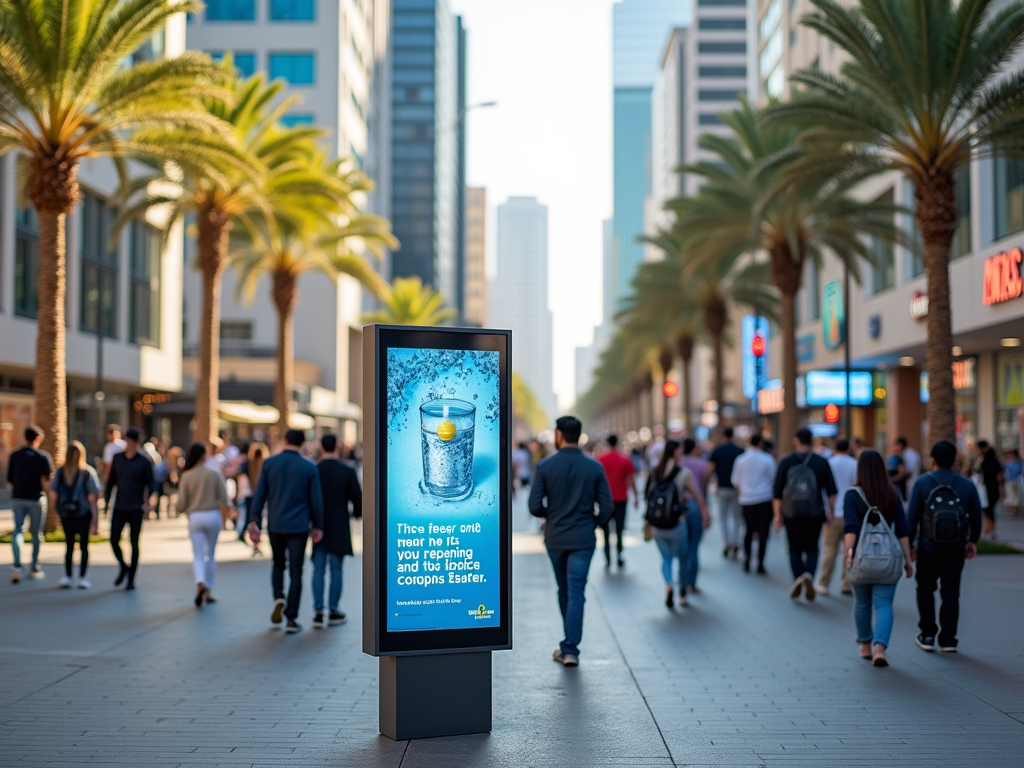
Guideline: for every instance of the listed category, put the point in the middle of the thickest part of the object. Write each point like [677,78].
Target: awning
[247,412]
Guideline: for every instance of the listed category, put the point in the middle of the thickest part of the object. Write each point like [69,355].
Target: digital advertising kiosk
[437,528]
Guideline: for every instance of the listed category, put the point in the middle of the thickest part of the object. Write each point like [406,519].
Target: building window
[293,10]
[883,267]
[231,10]
[771,18]
[717,72]
[99,268]
[772,52]
[721,47]
[728,94]
[26,263]
[295,68]
[355,50]
[235,332]
[144,299]
[356,104]
[775,82]
[356,155]
[289,121]
[245,63]
[1009,196]
[720,25]
[709,119]
[813,291]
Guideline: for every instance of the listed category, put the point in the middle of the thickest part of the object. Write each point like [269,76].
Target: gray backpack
[878,558]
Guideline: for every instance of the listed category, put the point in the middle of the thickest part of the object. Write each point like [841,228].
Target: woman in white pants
[202,495]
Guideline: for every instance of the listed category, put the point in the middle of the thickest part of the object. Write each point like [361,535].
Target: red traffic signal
[832,413]
[671,389]
[757,345]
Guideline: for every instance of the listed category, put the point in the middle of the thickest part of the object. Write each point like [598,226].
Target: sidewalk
[742,678]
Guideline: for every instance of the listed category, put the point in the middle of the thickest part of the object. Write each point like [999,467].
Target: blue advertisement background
[416,376]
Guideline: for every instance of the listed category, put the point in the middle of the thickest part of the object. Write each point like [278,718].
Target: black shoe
[121,576]
[336,618]
[946,647]
[292,627]
[622,563]
[725,552]
[670,602]
[746,566]
[735,553]
[318,620]
[925,643]
[761,570]
[130,587]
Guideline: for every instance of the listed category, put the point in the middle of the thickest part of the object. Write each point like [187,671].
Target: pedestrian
[697,518]
[73,495]
[873,493]
[912,459]
[289,486]
[673,487]
[620,474]
[203,496]
[131,474]
[844,471]
[991,476]
[522,461]
[1013,468]
[248,479]
[340,487]
[565,489]
[160,475]
[753,477]
[945,524]
[29,470]
[802,479]
[720,464]
[897,467]
[655,449]
[175,461]
[114,445]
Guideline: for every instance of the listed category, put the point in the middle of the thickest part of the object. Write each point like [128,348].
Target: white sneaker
[84,583]
[65,582]
[36,573]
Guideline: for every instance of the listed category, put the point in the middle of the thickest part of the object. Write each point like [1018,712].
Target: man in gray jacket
[566,488]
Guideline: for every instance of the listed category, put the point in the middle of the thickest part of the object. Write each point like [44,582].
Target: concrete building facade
[475,277]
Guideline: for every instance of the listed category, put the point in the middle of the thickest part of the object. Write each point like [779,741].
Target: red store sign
[918,306]
[1002,280]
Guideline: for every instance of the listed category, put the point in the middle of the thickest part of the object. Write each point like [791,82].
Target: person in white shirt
[114,446]
[844,470]
[912,459]
[753,477]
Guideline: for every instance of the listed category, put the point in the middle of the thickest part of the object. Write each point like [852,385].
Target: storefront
[965,386]
[1009,400]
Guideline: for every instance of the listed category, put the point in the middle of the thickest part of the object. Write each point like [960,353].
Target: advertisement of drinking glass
[441,512]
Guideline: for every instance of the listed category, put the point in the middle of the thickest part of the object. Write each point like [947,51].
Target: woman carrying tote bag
[873,509]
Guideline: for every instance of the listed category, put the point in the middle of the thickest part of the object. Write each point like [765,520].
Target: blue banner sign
[825,387]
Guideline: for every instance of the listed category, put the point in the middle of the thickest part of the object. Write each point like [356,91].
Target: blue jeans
[881,596]
[571,570]
[674,544]
[321,558]
[695,529]
[35,511]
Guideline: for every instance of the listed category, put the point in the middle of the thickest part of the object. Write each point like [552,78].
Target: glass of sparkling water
[447,429]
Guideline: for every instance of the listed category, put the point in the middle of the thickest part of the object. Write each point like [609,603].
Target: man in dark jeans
[131,474]
[941,564]
[29,470]
[289,486]
[720,464]
[803,532]
[620,472]
[566,487]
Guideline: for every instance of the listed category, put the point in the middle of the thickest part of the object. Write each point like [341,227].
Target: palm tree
[928,86]
[747,205]
[219,193]
[409,302]
[312,228]
[66,95]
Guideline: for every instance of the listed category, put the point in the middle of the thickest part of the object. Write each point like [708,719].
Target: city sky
[548,65]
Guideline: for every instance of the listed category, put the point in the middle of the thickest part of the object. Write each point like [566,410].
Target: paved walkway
[742,678]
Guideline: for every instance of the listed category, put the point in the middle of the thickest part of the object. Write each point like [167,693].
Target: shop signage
[832,317]
[771,399]
[1002,277]
[875,326]
[820,388]
[805,348]
[963,377]
[754,365]
[918,305]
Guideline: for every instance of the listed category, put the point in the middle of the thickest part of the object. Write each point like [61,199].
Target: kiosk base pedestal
[438,695]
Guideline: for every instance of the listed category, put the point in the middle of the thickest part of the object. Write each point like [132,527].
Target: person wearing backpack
[945,524]
[877,552]
[671,489]
[73,494]
[804,497]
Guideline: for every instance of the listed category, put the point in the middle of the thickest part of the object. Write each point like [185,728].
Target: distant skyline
[549,137]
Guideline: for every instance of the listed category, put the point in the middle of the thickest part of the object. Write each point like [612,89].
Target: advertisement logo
[833,319]
[481,612]
[1002,278]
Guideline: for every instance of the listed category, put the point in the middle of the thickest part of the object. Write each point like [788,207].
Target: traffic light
[832,413]
[757,345]
[670,388]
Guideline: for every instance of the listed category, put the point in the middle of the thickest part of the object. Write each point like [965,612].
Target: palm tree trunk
[213,249]
[665,360]
[285,296]
[789,418]
[686,355]
[936,221]
[54,192]
[716,315]
[718,350]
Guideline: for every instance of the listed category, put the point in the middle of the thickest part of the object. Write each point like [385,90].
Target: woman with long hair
[203,496]
[248,478]
[73,494]
[674,543]
[874,490]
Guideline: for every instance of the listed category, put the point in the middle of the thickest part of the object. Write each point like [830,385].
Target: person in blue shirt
[941,565]
[289,486]
[566,488]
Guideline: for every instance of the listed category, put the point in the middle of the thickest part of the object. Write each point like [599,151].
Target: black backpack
[944,520]
[801,497]
[664,507]
[69,498]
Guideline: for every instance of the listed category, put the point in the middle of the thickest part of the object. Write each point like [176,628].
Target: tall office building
[475,271]
[334,55]
[519,295]
[428,143]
